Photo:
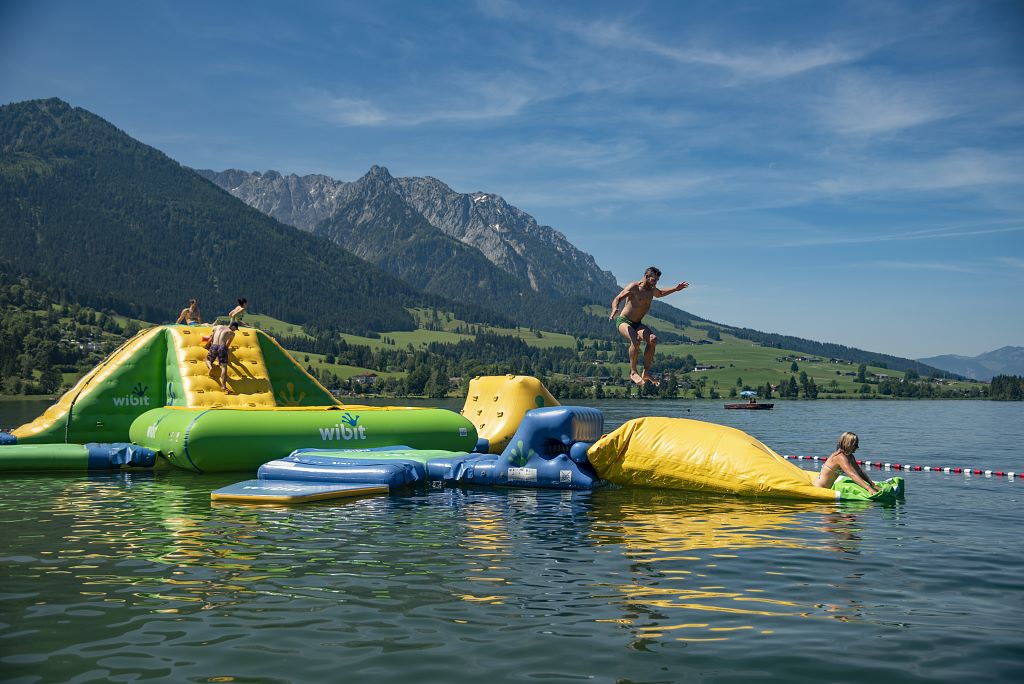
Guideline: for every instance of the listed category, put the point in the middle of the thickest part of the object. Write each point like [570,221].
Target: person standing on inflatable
[639,296]
[219,341]
[190,314]
[238,312]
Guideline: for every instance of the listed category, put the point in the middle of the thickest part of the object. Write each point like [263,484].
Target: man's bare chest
[643,297]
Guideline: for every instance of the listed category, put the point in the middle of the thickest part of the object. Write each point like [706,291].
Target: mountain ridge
[1008,360]
[92,215]
[509,237]
[377,224]
[539,257]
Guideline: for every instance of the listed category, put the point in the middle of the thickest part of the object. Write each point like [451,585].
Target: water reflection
[663,566]
[714,568]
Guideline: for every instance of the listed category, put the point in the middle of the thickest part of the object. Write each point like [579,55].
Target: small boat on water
[751,403]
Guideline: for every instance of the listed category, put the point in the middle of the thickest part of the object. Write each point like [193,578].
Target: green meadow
[724,365]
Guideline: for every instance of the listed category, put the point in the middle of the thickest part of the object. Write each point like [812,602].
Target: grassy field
[342,371]
[741,363]
[735,363]
[275,326]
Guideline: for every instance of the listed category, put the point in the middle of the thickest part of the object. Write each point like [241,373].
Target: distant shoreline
[354,398]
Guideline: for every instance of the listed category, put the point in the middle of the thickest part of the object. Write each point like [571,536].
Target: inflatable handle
[483,445]
[578,451]
[113,456]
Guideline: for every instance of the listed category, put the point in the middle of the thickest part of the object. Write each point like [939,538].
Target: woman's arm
[181,316]
[854,472]
[864,474]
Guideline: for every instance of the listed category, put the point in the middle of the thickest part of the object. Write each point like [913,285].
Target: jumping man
[638,298]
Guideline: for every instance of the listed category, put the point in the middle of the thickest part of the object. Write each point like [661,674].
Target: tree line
[41,341]
[1007,388]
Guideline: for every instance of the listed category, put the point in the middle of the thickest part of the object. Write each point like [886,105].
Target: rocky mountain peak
[537,255]
[376,181]
[380,172]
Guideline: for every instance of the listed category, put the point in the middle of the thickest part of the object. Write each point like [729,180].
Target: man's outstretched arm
[681,286]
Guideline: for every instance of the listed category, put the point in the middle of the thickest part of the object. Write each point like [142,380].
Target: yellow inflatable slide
[677,453]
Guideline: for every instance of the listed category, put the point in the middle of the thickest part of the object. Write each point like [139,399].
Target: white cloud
[575,152]
[603,191]
[470,102]
[860,105]
[959,169]
[1012,262]
[926,266]
[346,111]
[764,63]
[938,233]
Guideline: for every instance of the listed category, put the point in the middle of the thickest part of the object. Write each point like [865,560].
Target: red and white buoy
[1009,474]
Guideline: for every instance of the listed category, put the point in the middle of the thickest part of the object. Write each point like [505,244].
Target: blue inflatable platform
[549,450]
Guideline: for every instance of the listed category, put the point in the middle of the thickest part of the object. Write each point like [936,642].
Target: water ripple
[129,577]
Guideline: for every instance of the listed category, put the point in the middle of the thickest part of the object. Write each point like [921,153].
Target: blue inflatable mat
[283,491]
[395,466]
[309,468]
[459,467]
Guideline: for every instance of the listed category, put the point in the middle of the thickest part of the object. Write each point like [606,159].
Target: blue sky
[847,172]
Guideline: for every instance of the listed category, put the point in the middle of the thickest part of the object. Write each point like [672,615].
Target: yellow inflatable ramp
[496,405]
[248,380]
[677,453]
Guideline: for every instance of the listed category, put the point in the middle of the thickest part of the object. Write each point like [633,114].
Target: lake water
[138,577]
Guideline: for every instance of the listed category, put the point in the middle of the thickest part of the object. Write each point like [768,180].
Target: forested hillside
[90,215]
[42,342]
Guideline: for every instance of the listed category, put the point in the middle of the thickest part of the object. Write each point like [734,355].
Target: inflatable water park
[153,403]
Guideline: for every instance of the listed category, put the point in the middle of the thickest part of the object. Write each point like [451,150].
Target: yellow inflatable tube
[676,453]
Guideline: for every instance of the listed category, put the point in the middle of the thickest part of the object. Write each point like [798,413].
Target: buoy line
[1009,474]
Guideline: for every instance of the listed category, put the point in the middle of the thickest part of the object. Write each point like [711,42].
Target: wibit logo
[290,398]
[519,455]
[136,396]
[348,428]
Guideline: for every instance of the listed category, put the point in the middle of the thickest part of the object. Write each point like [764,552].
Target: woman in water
[842,460]
[190,314]
[238,312]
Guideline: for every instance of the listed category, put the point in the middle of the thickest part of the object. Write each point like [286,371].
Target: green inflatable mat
[888,490]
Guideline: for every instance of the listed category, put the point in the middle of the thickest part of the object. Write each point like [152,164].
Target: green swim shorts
[619,320]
